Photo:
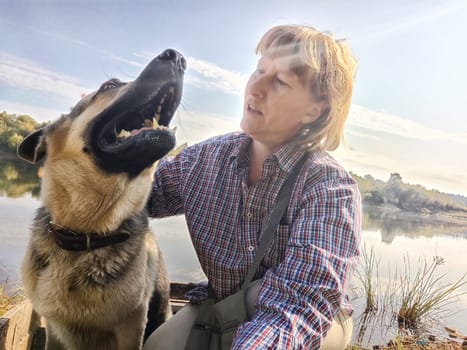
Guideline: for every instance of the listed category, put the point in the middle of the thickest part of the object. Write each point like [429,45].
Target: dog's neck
[85,241]
[72,240]
[97,205]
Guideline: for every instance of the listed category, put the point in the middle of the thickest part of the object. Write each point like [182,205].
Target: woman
[296,104]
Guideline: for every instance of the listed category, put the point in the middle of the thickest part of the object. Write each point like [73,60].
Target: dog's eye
[111,84]
[107,86]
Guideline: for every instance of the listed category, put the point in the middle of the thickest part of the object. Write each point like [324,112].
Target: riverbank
[7,155]
[412,343]
[451,340]
[458,218]
[393,222]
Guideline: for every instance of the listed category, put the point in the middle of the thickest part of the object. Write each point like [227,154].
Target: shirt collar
[240,152]
[285,157]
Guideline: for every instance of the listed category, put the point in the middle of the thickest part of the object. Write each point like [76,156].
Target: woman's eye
[281,82]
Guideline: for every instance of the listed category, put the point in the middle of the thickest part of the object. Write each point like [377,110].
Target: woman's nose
[255,87]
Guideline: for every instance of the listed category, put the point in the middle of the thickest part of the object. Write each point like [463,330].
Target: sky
[409,109]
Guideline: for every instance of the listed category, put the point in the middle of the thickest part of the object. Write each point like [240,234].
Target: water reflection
[18,178]
[390,232]
[398,262]
[392,222]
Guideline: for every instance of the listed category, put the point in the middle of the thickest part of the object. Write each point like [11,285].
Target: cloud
[449,178]
[422,16]
[380,143]
[208,75]
[357,134]
[376,121]
[28,75]
[39,113]
[104,53]
[123,60]
[25,74]
[193,127]
[361,162]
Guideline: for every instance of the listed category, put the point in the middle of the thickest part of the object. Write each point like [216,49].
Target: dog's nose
[174,55]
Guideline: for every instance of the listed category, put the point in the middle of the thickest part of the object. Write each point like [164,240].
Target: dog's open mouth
[132,132]
[154,115]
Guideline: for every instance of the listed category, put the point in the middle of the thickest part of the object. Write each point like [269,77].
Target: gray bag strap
[267,234]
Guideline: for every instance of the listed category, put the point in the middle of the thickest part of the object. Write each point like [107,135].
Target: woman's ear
[318,107]
[312,115]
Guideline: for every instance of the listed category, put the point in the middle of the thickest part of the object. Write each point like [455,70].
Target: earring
[305,132]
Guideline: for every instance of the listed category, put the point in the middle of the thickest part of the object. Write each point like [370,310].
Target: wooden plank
[177,304]
[179,289]
[17,327]
[177,294]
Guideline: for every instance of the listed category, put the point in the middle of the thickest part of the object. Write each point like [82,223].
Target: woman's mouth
[251,108]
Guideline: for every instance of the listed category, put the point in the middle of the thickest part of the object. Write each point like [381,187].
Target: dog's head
[99,157]
[122,125]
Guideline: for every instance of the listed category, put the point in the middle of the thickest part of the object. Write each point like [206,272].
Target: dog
[92,266]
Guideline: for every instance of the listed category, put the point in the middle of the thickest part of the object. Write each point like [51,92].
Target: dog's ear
[33,147]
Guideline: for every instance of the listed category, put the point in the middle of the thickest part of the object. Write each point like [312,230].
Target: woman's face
[277,103]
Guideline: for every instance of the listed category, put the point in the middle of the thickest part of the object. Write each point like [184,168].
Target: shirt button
[249,215]
[251,248]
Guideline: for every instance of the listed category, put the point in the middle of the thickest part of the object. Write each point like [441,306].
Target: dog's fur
[96,183]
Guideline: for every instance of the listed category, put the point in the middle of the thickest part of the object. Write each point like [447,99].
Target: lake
[392,235]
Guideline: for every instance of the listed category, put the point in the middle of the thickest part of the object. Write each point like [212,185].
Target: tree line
[14,128]
[416,198]
[404,196]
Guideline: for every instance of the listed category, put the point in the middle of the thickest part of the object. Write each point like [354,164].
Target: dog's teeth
[124,133]
[159,109]
[148,123]
[172,90]
[155,121]
[163,99]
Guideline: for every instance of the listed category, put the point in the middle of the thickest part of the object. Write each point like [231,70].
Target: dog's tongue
[148,125]
[137,131]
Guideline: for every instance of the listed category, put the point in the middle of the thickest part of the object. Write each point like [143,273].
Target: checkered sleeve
[165,199]
[299,299]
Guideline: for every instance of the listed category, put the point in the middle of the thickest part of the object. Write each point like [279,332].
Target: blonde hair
[329,67]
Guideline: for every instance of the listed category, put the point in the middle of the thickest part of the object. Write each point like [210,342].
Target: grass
[406,300]
[366,277]
[9,296]
[404,304]
[411,343]
[426,294]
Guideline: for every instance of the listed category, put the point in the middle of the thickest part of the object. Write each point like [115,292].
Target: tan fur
[71,289]
[101,209]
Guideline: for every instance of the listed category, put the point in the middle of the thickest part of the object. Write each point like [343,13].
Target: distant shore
[391,212]
[386,211]
[5,155]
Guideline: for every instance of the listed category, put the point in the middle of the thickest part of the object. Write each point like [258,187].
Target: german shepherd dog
[92,266]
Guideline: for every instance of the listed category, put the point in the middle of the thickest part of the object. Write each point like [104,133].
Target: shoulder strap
[267,235]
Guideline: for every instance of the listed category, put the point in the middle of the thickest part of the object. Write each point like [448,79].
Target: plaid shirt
[315,249]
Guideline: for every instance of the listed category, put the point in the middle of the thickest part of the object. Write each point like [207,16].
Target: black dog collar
[73,241]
